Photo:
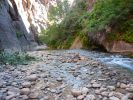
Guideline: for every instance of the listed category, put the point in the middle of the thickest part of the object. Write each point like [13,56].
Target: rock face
[100,38]
[20,21]
[111,46]
[119,46]
[76,44]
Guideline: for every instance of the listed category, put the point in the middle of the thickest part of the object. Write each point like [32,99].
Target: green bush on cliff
[117,14]
[128,36]
[113,13]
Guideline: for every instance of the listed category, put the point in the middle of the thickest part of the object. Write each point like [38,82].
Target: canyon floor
[61,75]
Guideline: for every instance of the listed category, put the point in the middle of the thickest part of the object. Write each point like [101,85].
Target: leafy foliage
[63,34]
[117,14]
[57,12]
[113,13]
[77,21]
[18,34]
[15,58]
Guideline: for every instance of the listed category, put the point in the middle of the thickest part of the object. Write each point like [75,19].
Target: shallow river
[107,58]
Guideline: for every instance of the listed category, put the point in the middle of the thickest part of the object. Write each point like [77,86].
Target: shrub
[61,35]
[15,58]
[128,36]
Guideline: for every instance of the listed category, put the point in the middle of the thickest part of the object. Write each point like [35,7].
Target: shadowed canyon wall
[20,21]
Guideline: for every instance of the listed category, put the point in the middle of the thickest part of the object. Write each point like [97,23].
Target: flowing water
[111,59]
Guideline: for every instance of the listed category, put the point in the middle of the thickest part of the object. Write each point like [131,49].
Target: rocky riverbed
[60,75]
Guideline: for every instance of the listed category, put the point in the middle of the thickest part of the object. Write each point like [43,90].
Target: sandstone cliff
[20,21]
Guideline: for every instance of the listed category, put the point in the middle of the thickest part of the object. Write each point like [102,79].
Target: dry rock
[81,97]
[123,86]
[90,97]
[32,77]
[114,98]
[25,91]
[76,92]
[85,90]
[96,85]
[26,84]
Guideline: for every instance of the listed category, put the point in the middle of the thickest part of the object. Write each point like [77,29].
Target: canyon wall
[20,22]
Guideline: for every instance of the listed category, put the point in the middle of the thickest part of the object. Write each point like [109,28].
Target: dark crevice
[13,12]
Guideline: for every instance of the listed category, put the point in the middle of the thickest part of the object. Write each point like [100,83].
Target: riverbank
[65,75]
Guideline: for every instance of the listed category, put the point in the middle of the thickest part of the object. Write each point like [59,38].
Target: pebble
[93,81]
[59,79]
[46,98]
[116,94]
[129,89]
[85,90]
[89,86]
[105,93]
[112,88]
[118,84]
[34,95]
[81,97]
[114,98]
[102,89]
[1,85]
[10,97]
[26,84]
[53,91]
[125,97]
[25,91]
[123,86]
[32,77]
[90,97]
[130,96]
[97,91]
[96,85]
[69,97]
[76,92]
[23,97]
